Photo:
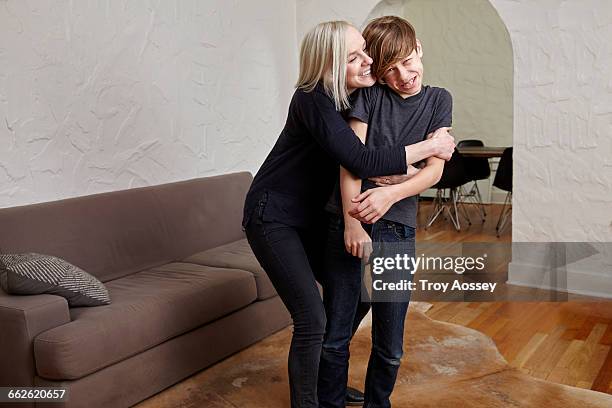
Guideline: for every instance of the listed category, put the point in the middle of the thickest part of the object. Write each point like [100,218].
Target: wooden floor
[443,231]
[565,342]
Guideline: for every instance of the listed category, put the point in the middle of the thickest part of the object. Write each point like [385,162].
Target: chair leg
[452,206]
[480,203]
[504,215]
[454,213]
[438,208]
[474,198]
[464,212]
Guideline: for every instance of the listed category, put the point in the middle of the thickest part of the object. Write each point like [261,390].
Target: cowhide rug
[444,365]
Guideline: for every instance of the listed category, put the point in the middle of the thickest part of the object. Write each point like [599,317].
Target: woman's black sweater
[299,174]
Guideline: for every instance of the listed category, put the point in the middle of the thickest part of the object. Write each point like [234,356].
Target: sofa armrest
[22,318]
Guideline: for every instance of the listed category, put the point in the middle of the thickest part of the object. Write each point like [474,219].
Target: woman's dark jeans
[345,309]
[289,256]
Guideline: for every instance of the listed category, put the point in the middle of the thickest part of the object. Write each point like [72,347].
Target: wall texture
[106,95]
[311,12]
[562,129]
[562,119]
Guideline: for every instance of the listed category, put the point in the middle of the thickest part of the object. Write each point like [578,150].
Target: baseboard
[581,282]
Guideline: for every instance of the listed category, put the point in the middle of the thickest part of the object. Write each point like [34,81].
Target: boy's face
[406,76]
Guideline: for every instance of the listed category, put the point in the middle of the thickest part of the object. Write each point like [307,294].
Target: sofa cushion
[148,308]
[236,255]
[37,274]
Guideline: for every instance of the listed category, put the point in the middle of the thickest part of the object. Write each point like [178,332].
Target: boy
[398,110]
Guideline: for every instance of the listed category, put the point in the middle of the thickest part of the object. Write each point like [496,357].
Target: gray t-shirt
[393,120]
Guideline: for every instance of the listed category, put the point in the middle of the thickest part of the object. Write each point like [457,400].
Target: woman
[283,216]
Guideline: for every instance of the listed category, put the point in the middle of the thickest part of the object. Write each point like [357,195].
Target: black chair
[477,168]
[453,177]
[503,181]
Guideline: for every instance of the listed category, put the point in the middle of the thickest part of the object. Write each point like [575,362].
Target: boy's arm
[355,237]
[374,203]
[427,177]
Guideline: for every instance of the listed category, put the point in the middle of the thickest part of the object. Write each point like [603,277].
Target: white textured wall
[562,118]
[562,134]
[106,95]
[311,12]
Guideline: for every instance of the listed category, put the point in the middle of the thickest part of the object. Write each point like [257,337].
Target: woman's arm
[356,240]
[382,181]
[333,134]
[375,202]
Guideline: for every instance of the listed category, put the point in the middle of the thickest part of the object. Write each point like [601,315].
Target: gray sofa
[186,291]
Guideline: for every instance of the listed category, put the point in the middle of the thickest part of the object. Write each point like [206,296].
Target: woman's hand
[396,178]
[357,241]
[442,143]
[373,204]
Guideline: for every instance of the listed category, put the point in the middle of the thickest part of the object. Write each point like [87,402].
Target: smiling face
[397,54]
[358,64]
[405,76]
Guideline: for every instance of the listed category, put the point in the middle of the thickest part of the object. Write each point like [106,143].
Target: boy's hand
[442,131]
[357,241]
[373,204]
[442,143]
[396,178]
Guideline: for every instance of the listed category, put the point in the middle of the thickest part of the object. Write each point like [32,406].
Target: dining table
[481,151]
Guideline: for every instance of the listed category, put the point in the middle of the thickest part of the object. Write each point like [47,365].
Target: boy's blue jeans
[345,309]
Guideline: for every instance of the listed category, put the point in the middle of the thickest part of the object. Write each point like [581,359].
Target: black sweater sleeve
[335,136]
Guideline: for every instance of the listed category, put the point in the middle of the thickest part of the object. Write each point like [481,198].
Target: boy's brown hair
[388,40]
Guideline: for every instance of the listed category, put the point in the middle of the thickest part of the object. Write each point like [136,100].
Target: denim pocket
[403,232]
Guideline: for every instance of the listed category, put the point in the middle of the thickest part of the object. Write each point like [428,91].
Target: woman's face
[358,65]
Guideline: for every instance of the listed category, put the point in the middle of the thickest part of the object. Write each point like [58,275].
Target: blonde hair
[323,56]
[388,40]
